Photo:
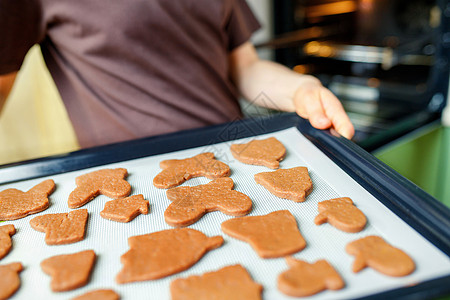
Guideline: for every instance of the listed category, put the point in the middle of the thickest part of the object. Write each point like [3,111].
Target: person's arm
[6,83]
[287,90]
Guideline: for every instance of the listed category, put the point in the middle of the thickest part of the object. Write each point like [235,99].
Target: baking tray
[396,209]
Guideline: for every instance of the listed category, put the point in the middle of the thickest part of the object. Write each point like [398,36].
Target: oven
[386,60]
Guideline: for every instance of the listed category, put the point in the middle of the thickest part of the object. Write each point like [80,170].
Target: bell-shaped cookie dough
[232,282]
[69,271]
[268,152]
[272,235]
[293,184]
[163,253]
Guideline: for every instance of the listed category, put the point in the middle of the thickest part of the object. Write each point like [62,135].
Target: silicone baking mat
[109,239]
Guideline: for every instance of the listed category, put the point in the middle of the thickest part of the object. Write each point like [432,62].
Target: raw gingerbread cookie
[272,235]
[69,271]
[372,251]
[232,282]
[342,214]
[177,171]
[125,209]
[62,228]
[191,203]
[293,184]
[268,152]
[305,279]
[108,182]
[163,253]
[99,295]
[15,204]
[9,279]
[6,232]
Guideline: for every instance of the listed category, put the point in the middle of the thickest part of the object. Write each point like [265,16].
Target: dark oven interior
[387,60]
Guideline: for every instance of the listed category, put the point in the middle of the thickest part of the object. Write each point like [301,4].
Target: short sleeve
[241,24]
[19,31]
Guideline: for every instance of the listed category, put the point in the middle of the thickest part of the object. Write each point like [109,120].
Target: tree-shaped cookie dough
[9,279]
[305,279]
[268,152]
[372,251]
[69,271]
[15,204]
[6,232]
[163,253]
[342,214]
[272,235]
[191,203]
[293,184]
[125,209]
[177,171]
[108,182]
[62,228]
[232,282]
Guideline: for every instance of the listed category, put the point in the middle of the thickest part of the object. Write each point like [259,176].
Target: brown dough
[108,182]
[125,209]
[293,184]
[342,214]
[191,203]
[268,152]
[232,282]
[272,235]
[305,279]
[372,251]
[99,295]
[9,279]
[62,228]
[15,204]
[69,271]
[163,253]
[6,232]
[177,171]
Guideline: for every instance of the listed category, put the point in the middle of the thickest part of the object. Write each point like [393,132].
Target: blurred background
[386,60]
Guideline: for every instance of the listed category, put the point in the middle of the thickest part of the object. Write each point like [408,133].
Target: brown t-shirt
[132,68]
